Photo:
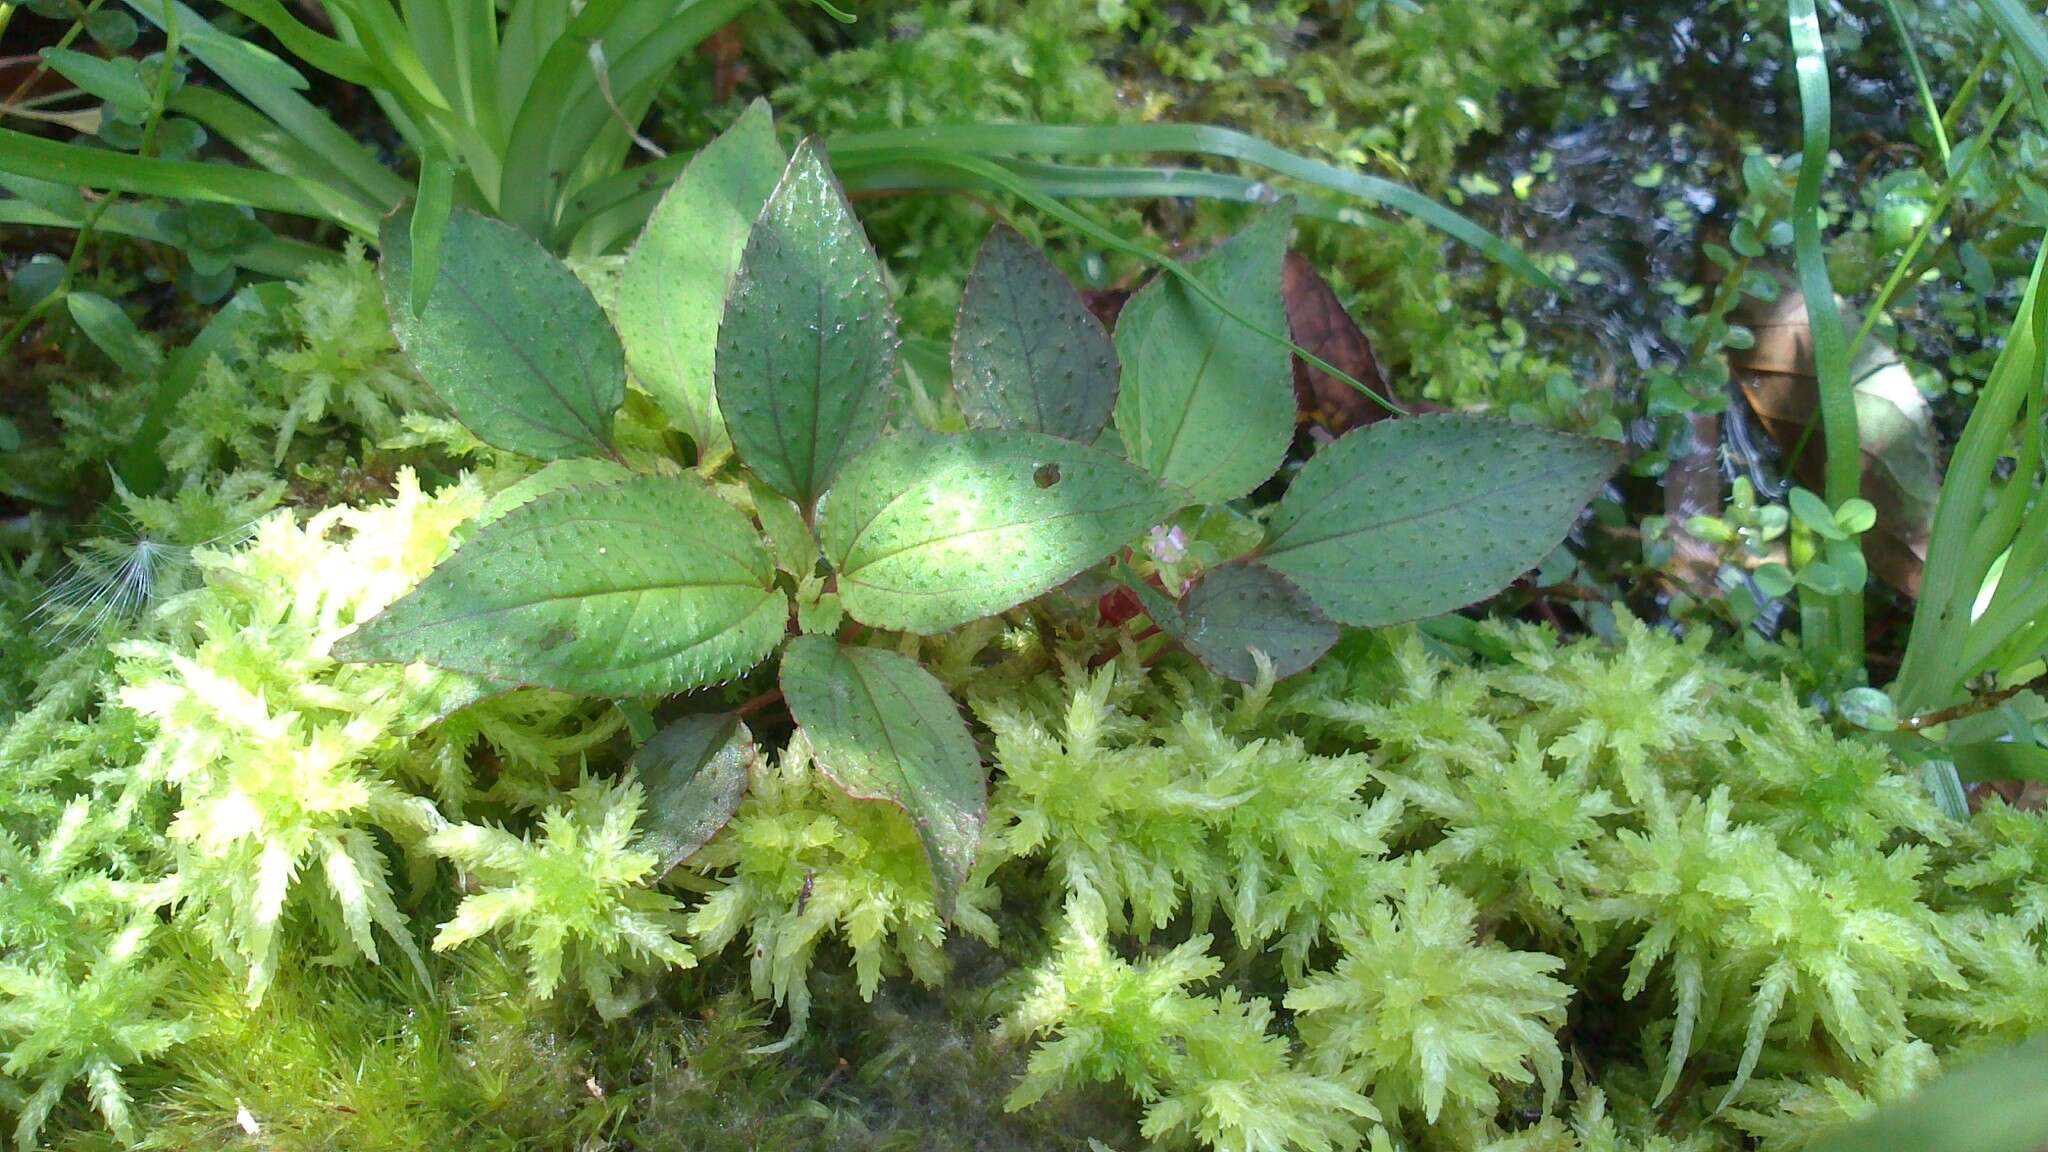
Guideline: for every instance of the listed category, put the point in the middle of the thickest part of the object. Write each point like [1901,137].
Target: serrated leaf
[1206,403]
[1235,608]
[695,772]
[511,339]
[791,540]
[807,344]
[884,728]
[1411,518]
[672,292]
[929,532]
[580,473]
[647,587]
[1027,353]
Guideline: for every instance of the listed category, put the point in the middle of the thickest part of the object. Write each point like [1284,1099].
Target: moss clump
[1583,896]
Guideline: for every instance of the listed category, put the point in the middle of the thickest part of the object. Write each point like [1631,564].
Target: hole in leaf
[1046,475]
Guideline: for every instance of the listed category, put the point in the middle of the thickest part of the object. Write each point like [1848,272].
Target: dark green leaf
[1415,517]
[1027,352]
[1235,608]
[795,548]
[807,345]
[647,587]
[41,275]
[431,207]
[1983,760]
[1206,403]
[112,332]
[695,772]
[118,82]
[883,728]
[511,340]
[928,532]
[672,293]
[111,29]
[583,472]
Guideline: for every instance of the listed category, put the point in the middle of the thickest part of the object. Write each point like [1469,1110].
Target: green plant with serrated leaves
[815,525]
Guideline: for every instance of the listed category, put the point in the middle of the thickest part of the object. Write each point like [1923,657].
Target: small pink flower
[1167,545]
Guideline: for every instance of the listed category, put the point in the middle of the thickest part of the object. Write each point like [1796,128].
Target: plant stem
[1972,707]
[759,703]
[1843,640]
[1942,200]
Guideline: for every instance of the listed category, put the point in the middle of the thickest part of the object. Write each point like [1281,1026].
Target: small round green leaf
[884,728]
[1856,516]
[807,345]
[695,772]
[1236,608]
[1775,580]
[510,339]
[1811,511]
[672,292]
[1027,352]
[647,587]
[1416,517]
[929,532]
[1869,709]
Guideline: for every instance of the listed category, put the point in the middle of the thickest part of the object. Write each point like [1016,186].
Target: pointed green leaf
[647,587]
[112,332]
[1206,403]
[1027,352]
[789,538]
[510,339]
[695,772]
[584,472]
[1235,608]
[672,293]
[928,532]
[432,204]
[807,345]
[884,728]
[1412,518]
[119,81]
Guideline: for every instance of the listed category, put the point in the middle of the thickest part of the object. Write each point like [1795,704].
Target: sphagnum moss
[1631,909]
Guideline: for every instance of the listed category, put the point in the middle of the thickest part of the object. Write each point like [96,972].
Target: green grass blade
[430,211]
[255,135]
[1926,94]
[476,64]
[530,26]
[1830,344]
[596,227]
[271,87]
[637,64]
[277,256]
[1955,567]
[342,61]
[2027,39]
[1193,139]
[1958,172]
[108,171]
[527,189]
